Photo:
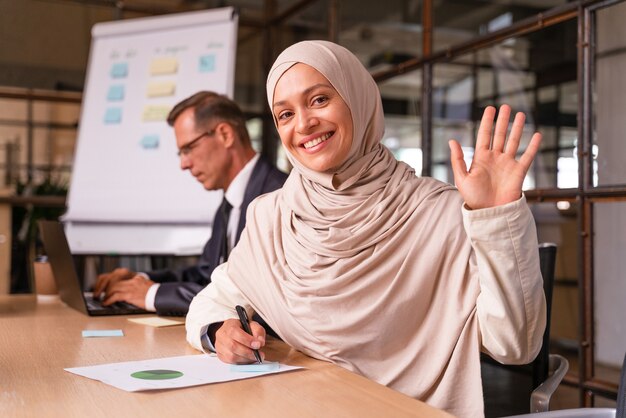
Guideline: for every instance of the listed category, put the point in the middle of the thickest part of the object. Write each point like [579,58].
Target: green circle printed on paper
[157,374]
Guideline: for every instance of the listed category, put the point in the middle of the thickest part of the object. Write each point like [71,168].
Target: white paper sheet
[167,373]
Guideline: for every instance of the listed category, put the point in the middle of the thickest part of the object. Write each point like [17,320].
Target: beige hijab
[346,266]
[340,214]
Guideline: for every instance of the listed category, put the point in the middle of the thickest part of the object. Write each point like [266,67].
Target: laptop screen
[62,264]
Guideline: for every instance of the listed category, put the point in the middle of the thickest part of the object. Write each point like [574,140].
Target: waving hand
[495,177]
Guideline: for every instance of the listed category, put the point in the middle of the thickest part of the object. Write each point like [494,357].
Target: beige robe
[473,284]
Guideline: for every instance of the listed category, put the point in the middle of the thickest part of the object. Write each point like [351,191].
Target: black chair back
[620,411]
[547,264]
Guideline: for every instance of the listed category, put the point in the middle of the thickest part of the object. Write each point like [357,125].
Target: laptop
[67,280]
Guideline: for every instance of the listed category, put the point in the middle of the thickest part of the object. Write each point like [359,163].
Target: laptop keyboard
[94,304]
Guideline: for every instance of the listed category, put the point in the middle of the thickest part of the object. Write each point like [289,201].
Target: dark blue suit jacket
[178,287]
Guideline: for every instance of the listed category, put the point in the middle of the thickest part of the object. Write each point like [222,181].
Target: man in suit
[214,145]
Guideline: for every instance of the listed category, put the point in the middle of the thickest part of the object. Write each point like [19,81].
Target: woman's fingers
[499,143]
[483,139]
[459,168]
[232,343]
[531,150]
[259,333]
[512,144]
[502,126]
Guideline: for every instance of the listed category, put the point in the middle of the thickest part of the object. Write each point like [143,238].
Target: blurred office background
[438,64]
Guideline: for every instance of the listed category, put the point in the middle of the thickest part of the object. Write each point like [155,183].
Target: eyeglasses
[186,149]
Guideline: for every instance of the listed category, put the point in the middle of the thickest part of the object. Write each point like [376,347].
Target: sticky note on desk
[155,321]
[88,333]
[268,366]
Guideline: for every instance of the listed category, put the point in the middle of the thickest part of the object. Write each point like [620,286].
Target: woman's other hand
[495,177]
[234,345]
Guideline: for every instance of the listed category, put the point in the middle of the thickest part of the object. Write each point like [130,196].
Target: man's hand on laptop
[122,285]
[107,280]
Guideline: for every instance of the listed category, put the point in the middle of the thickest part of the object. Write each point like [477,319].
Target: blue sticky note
[150,142]
[87,333]
[269,366]
[116,93]
[119,70]
[206,64]
[113,115]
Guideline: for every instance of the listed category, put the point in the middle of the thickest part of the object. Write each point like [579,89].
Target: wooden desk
[38,340]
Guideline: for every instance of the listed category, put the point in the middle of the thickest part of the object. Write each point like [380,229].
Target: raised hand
[495,177]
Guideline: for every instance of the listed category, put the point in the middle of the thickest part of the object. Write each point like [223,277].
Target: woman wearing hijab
[359,262]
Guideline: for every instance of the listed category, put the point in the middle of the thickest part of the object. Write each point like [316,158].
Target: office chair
[618,412]
[507,389]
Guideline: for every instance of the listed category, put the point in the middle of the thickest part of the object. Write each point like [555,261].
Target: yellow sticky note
[155,113]
[155,321]
[160,66]
[160,89]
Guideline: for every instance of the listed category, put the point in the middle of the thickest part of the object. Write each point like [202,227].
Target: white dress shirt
[234,195]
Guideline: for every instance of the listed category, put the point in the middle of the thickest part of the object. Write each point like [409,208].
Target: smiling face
[313,121]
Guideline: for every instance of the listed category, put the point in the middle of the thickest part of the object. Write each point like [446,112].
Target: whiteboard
[116,239]
[126,170]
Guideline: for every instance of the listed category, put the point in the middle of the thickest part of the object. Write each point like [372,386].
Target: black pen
[245,324]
